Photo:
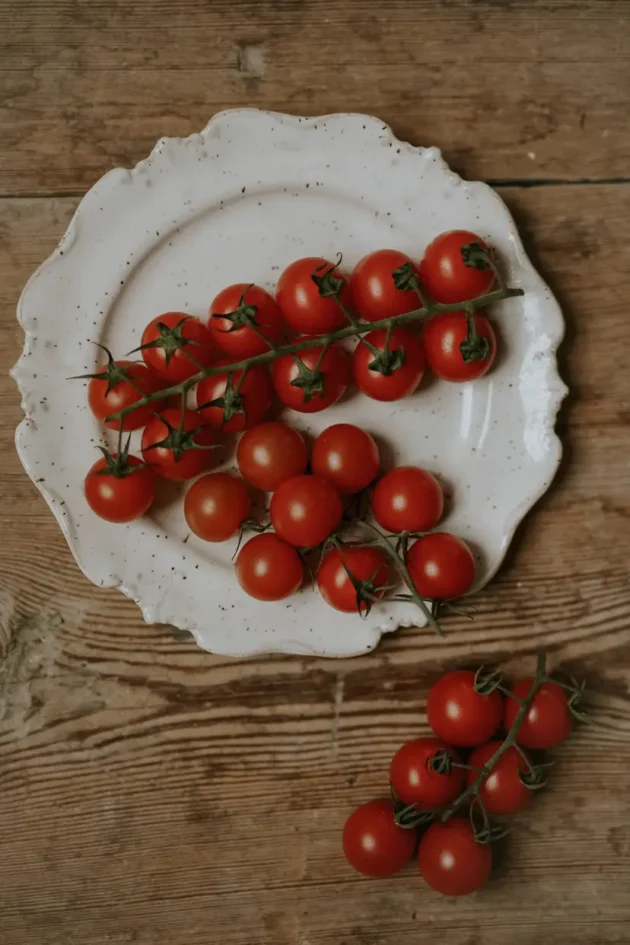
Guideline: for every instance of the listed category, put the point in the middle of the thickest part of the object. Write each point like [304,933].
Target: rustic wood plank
[508,90]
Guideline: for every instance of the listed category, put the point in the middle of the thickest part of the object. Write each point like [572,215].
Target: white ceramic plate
[236,203]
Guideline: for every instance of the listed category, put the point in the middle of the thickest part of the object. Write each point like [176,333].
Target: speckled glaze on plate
[238,202]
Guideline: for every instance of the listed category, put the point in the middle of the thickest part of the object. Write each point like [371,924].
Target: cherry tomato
[270,453]
[445,275]
[298,295]
[373,843]
[373,286]
[393,375]
[319,383]
[119,491]
[267,568]
[235,402]
[443,336]
[442,566]
[119,385]
[181,454]
[414,780]
[451,860]
[216,506]
[407,499]
[304,510]
[461,715]
[548,719]
[366,565]
[176,346]
[347,456]
[252,312]
[502,792]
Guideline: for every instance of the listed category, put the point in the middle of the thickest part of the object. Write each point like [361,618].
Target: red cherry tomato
[366,565]
[270,453]
[461,715]
[442,566]
[180,346]
[122,497]
[407,499]
[253,312]
[414,779]
[347,456]
[298,295]
[119,385]
[502,792]
[304,510]
[445,275]
[240,402]
[330,374]
[182,454]
[373,843]
[216,506]
[443,336]
[548,719]
[269,569]
[385,378]
[450,859]
[373,286]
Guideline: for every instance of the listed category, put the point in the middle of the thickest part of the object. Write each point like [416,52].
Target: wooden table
[153,794]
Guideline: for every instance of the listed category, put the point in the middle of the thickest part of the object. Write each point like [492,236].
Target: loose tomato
[304,510]
[392,374]
[451,860]
[443,338]
[119,385]
[548,719]
[373,843]
[503,791]
[176,346]
[312,382]
[270,453]
[216,505]
[442,566]
[308,292]
[269,569]
[347,456]
[369,569]
[414,779]
[445,275]
[374,285]
[407,499]
[461,715]
[235,401]
[119,488]
[239,315]
[178,448]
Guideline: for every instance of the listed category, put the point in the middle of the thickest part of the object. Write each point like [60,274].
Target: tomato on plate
[270,453]
[268,568]
[444,273]
[176,346]
[548,719]
[443,338]
[441,565]
[373,843]
[307,293]
[347,456]
[368,567]
[415,780]
[407,499]
[239,315]
[503,791]
[304,510]
[451,860]
[461,715]
[311,381]
[119,385]
[375,282]
[236,400]
[392,374]
[216,506]
[119,488]
[175,447]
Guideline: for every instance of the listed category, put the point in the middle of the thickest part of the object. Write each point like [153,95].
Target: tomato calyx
[171,340]
[366,590]
[309,380]
[474,347]
[410,816]
[476,256]
[405,278]
[118,464]
[385,362]
[112,373]
[486,682]
[230,401]
[243,316]
[328,284]
[179,440]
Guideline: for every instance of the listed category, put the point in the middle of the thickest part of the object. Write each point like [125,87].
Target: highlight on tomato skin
[244,320]
[461,715]
[373,844]
[445,275]
[414,779]
[503,791]
[346,455]
[441,566]
[373,286]
[270,453]
[268,568]
[342,569]
[216,506]
[451,860]
[442,339]
[548,720]
[305,510]
[407,498]
[303,308]
[119,498]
